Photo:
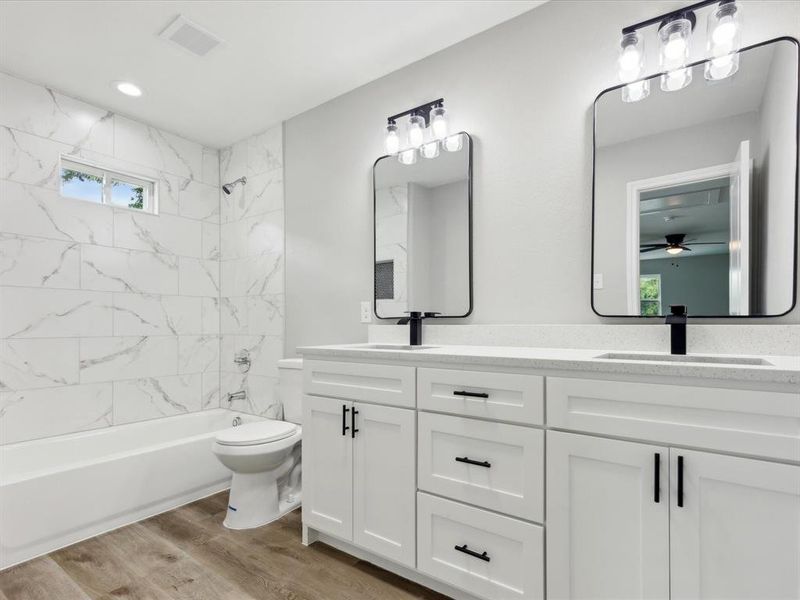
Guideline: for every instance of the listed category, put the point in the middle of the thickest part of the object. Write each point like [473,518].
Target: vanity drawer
[757,423]
[506,472]
[513,564]
[381,384]
[500,396]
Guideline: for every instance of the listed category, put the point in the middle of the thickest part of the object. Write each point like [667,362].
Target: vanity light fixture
[392,141]
[416,130]
[439,122]
[675,29]
[675,36]
[723,41]
[429,116]
[408,157]
[631,63]
[430,150]
[453,143]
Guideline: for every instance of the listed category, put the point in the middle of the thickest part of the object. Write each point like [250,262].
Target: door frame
[634,192]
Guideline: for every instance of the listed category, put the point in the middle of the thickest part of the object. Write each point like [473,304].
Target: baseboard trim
[311,536]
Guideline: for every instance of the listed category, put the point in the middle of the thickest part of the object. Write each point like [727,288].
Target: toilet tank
[290,388]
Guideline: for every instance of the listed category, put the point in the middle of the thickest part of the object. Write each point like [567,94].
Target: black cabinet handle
[465,550]
[353,429]
[657,478]
[469,461]
[344,419]
[680,481]
[471,394]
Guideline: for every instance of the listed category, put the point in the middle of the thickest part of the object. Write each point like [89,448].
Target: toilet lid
[260,432]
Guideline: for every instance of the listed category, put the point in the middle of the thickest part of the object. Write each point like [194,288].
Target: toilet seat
[261,432]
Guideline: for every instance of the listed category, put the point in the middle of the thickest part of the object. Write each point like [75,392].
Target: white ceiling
[278,59]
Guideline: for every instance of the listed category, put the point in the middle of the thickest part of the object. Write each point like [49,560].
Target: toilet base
[255,500]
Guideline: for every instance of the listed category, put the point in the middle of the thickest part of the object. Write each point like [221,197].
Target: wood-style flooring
[186,554]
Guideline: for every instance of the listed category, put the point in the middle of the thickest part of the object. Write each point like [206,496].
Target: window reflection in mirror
[695,193]
[422,233]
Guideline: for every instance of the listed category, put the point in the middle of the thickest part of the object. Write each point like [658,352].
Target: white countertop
[780,370]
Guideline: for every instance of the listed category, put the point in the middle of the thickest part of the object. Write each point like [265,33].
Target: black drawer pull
[353,430]
[680,481]
[469,461]
[471,394]
[344,419]
[465,550]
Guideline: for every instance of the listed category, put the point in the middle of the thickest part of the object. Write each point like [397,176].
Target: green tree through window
[119,192]
[650,295]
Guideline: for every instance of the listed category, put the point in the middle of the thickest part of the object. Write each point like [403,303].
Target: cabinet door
[384,483]
[328,466]
[607,530]
[736,532]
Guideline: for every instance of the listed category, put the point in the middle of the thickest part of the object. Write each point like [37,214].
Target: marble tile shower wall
[107,316]
[252,269]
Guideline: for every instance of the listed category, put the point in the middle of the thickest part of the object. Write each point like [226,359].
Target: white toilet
[265,458]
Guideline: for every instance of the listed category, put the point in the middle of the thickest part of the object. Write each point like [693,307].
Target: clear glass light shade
[438,120]
[631,57]
[391,142]
[416,131]
[408,157]
[722,66]
[430,150]
[633,92]
[678,79]
[453,143]
[675,37]
[724,33]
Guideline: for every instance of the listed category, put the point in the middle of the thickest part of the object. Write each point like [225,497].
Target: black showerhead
[228,187]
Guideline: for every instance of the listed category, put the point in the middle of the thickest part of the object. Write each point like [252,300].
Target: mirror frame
[469,234]
[796,186]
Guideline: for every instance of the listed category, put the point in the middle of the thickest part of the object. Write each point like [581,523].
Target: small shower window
[93,183]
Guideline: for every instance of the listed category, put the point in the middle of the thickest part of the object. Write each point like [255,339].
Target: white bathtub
[60,490]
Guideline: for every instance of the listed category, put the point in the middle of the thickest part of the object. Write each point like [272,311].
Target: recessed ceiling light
[128,88]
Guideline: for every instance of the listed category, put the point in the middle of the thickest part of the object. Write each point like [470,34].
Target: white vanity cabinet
[478,482]
[634,520]
[607,518]
[736,532]
[359,481]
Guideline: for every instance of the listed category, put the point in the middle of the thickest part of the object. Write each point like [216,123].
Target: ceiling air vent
[190,36]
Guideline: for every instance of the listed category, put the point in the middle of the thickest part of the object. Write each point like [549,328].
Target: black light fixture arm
[686,11]
[424,110]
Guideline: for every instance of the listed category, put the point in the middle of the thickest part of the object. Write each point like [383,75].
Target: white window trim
[92,168]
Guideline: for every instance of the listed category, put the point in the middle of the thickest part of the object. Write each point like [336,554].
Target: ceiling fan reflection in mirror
[675,244]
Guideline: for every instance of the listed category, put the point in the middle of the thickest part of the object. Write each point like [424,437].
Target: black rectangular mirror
[423,232]
[695,193]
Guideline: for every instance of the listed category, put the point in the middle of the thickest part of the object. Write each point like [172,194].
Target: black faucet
[677,328]
[414,319]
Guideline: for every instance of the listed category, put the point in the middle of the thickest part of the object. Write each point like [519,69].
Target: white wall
[107,315]
[780,98]
[711,144]
[449,253]
[525,91]
[391,238]
[252,264]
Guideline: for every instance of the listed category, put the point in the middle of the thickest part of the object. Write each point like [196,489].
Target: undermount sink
[393,347]
[711,360]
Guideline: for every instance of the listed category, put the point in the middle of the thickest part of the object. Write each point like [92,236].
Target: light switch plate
[597,281]
[366,312]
